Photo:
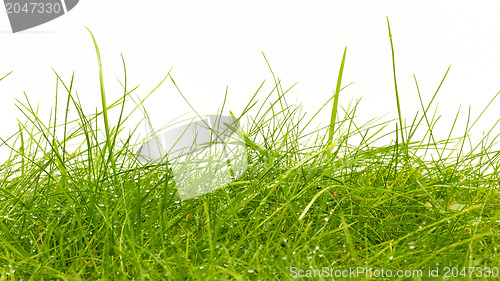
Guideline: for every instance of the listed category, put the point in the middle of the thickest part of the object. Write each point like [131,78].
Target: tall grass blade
[396,84]
[333,117]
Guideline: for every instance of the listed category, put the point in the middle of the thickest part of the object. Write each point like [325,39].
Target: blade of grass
[396,86]
[333,117]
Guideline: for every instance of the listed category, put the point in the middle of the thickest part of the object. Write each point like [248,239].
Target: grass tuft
[75,204]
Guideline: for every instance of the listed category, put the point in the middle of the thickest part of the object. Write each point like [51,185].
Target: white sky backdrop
[214,44]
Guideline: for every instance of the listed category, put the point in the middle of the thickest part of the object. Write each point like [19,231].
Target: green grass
[311,198]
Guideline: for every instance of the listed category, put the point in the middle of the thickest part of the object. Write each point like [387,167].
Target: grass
[311,199]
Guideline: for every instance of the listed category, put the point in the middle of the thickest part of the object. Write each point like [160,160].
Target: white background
[214,44]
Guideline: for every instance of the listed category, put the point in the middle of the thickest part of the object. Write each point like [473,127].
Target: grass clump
[310,199]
